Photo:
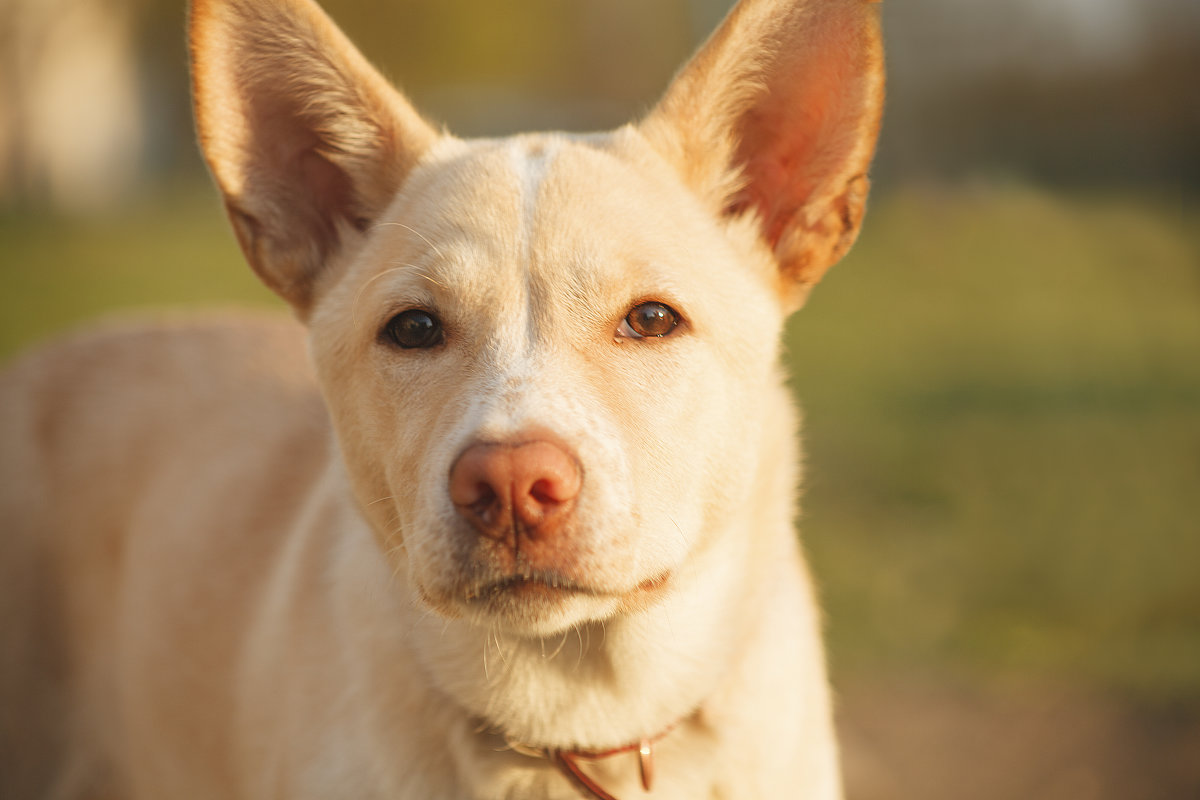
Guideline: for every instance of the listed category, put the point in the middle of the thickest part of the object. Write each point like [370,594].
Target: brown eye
[415,328]
[648,319]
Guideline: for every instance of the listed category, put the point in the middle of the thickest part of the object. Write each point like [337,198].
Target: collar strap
[567,762]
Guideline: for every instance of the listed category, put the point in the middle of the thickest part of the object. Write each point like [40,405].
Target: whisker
[426,613]
[499,648]
[358,295]
[682,536]
[582,647]
[415,232]
[670,624]
[431,280]
[487,642]
[561,643]
[394,543]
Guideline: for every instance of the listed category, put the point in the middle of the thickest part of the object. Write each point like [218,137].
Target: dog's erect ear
[307,142]
[777,114]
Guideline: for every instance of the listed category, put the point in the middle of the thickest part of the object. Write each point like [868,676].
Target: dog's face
[561,305]
[548,357]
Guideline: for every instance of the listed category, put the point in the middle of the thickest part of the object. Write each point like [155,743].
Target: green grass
[1002,393]
[1003,423]
[172,249]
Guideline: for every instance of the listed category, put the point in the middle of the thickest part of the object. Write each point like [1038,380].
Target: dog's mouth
[526,586]
[538,595]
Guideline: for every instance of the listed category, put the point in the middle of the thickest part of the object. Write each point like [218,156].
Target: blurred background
[1001,382]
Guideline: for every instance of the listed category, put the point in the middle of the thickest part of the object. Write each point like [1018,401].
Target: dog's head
[548,358]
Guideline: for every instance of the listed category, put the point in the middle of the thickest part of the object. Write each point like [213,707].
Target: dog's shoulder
[129,390]
[130,351]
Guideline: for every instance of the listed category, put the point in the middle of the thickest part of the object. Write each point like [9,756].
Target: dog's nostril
[485,505]
[547,492]
[486,495]
[527,487]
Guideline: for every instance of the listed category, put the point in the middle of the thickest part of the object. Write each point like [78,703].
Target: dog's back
[112,442]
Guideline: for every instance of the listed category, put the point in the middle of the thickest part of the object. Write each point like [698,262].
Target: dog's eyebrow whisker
[413,231]
[416,269]
[432,280]
[399,267]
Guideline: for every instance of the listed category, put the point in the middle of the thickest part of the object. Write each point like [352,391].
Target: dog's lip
[554,584]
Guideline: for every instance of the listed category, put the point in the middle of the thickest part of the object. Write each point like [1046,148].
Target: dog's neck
[567,762]
[635,685]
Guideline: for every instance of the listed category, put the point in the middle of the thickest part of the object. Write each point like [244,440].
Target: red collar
[567,762]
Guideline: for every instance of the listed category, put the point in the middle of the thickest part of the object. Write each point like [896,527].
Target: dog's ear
[777,116]
[307,142]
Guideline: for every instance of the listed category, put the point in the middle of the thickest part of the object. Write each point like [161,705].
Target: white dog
[517,523]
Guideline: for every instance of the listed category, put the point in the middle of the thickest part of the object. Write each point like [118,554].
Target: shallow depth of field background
[1001,383]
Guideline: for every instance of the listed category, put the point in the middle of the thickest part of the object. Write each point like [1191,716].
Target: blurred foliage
[485,68]
[1002,395]
[1128,122]
[478,67]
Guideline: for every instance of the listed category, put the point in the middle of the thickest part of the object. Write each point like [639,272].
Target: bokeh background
[1001,382]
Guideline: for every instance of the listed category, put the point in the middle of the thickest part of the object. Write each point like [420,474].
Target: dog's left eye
[647,320]
[414,328]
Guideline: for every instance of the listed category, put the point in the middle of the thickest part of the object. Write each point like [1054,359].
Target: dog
[507,510]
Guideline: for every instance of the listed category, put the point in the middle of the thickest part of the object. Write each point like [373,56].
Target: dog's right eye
[415,328]
[649,320]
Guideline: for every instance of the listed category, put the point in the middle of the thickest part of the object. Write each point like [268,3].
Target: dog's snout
[508,492]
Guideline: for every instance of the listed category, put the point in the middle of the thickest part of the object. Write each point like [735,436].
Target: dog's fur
[235,569]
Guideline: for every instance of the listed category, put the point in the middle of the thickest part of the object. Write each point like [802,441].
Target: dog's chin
[540,605]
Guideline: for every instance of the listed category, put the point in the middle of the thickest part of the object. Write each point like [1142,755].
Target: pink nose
[515,491]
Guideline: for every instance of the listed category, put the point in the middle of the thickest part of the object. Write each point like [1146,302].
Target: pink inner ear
[302,192]
[799,138]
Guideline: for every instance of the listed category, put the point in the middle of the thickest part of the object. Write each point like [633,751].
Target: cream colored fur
[230,563]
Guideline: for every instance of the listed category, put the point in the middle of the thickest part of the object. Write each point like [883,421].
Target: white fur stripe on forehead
[531,158]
